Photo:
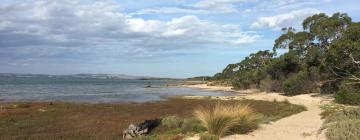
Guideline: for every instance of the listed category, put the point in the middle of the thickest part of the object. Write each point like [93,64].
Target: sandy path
[302,126]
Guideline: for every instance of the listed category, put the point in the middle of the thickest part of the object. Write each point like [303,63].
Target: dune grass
[207,136]
[343,125]
[223,119]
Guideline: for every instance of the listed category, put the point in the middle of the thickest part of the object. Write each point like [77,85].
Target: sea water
[92,90]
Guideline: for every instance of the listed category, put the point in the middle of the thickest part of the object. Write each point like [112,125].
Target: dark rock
[141,129]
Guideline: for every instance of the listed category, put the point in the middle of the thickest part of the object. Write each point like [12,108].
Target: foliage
[224,119]
[348,94]
[297,84]
[175,125]
[324,56]
[329,109]
[192,125]
[343,125]
[171,122]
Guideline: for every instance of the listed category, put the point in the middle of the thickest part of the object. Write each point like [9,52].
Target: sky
[161,38]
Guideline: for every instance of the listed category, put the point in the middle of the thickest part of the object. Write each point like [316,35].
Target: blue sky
[178,38]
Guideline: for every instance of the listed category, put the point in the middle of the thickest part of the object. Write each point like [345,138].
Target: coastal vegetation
[343,124]
[79,121]
[323,57]
[222,119]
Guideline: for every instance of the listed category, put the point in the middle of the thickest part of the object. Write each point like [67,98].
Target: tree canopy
[323,57]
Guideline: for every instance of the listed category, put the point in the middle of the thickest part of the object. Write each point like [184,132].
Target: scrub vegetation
[323,57]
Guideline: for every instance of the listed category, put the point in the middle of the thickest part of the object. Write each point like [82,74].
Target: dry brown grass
[224,119]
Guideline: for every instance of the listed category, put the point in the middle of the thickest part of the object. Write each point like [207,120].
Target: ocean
[90,90]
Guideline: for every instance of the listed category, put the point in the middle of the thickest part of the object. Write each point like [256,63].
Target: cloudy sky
[167,38]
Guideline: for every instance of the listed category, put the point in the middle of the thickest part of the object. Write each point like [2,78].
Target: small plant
[343,125]
[225,119]
[171,122]
[346,114]
[207,136]
[344,130]
[329,109]
[274,100]
[192,125]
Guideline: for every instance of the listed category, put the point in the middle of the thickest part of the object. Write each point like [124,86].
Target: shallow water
[91,90]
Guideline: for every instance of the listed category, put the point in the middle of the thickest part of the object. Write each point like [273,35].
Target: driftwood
[141,129]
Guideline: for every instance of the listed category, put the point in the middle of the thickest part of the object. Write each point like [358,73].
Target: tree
[325,28]
[294,41]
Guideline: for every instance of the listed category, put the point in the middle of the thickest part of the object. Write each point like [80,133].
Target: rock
[141,129]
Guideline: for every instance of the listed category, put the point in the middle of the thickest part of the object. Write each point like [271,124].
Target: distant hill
[97,76]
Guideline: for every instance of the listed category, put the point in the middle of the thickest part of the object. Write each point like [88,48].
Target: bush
[329,109]
[192,125]
[348,94]
[160,137]
[207,136]
[171,122]
[270,85]
[343,125]
[226,119]
[299,83]
[344,130]
[329,88]
[346,114]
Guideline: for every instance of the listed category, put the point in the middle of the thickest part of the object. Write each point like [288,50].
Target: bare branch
[353,59]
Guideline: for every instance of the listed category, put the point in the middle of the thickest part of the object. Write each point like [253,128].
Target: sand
[302,126]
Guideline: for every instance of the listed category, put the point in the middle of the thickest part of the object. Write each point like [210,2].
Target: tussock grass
[207,136]
[223,119]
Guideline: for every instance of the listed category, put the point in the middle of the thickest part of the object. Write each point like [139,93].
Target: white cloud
[76,24]
[201,7]
[170,10]
[226,6]
[276,22]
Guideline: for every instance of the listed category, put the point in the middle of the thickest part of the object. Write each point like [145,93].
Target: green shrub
[329,88]
[343,125]
[344,130]
[270,85]
[226,119]
[192,125]
[298,83]
[348,94]
[329,109]
[171,122]
[344,114]
[207,136]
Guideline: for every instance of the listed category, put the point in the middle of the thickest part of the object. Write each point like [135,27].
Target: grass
[343,125]
[329,109]
[72,121]
[207,136]
[224,119]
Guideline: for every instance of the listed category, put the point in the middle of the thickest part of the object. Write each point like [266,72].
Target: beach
[302,126]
